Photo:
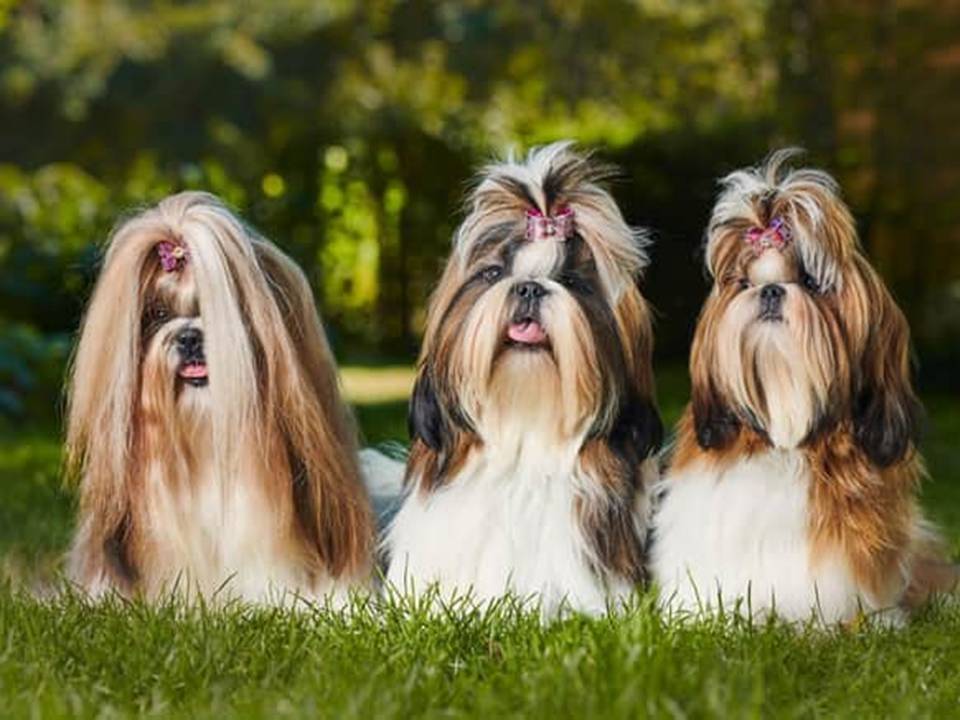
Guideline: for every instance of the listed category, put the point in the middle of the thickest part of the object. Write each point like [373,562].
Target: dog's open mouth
[194,373]
[528,333]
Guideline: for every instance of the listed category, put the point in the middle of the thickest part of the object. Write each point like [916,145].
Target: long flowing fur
[270,427]
[559,436]
[826,389]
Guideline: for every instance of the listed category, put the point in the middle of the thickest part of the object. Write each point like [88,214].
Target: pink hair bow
[775,235]
[541,227]
[173,256]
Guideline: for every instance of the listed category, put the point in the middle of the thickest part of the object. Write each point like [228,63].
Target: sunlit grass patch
[398,659]
[370,385]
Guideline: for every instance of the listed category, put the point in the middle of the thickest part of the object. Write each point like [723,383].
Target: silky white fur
[506,524]
[725,540]
[504,501]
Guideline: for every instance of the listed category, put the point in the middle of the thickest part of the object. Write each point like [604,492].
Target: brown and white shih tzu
[213,452]
[533,420]
[793,482]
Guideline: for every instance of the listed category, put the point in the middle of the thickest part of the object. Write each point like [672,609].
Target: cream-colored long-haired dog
[533,417]
[213,451]
[792,485]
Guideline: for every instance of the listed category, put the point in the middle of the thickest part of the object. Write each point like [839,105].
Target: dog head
[201,349]
[799,333]
[537,325]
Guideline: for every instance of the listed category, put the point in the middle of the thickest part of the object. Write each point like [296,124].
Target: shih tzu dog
[533,420]
[213,452]
[792,486]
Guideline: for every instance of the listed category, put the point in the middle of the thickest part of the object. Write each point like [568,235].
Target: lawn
[66,658]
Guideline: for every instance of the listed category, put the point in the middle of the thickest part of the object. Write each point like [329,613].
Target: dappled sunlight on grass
[363,385]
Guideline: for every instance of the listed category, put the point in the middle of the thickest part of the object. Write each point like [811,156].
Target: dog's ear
[441,438]
[715,425]
[887,415]
[637,432]
[887,424]
[425,420]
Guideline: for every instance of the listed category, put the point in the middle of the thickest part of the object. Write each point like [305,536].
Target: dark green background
[347,131]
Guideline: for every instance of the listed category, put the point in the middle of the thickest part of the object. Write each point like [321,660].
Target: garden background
[347,131]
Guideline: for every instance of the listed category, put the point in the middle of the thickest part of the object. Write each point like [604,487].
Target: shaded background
[346,131]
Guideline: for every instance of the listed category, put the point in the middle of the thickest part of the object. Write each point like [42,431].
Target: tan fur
[140,448]
[571,391]
[848,348]
[868,512]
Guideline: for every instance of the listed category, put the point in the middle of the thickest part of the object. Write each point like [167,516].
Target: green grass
[71,659]
[66,658]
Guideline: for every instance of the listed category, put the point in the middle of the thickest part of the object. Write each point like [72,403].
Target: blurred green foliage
[346,130]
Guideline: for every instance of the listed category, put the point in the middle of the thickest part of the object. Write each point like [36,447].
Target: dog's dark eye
[809,282]
[573,282]
[491,274]
[154,316]
[743,283]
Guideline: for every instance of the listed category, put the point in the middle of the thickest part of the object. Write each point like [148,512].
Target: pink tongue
[193,370]
[528,333]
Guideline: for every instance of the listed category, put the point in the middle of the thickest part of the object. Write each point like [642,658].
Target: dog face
[537,326]
[531,324]
[780,336]
[174,372]
[799,333]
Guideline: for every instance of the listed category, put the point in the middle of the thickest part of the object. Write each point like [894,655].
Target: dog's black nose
[190,341]
[771,301]
[529,290]
[772,294]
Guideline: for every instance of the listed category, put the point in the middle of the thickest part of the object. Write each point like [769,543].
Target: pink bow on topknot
[541,227]
[173,256]
[775,235]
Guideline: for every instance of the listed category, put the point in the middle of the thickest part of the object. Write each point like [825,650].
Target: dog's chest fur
[223,538]
[741,534]
[507,522]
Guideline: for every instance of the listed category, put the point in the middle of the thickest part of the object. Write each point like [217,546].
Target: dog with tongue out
[533,420]
[206,433]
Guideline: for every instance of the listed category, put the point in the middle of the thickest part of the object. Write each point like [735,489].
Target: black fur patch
[716,427]
[575,174]
[425,419]
[638,431]
[516,188]
[556,181]
[886,428]
[302,498]
[615,540]
[509,251]
[491,237]
[116,550]
[767,201]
